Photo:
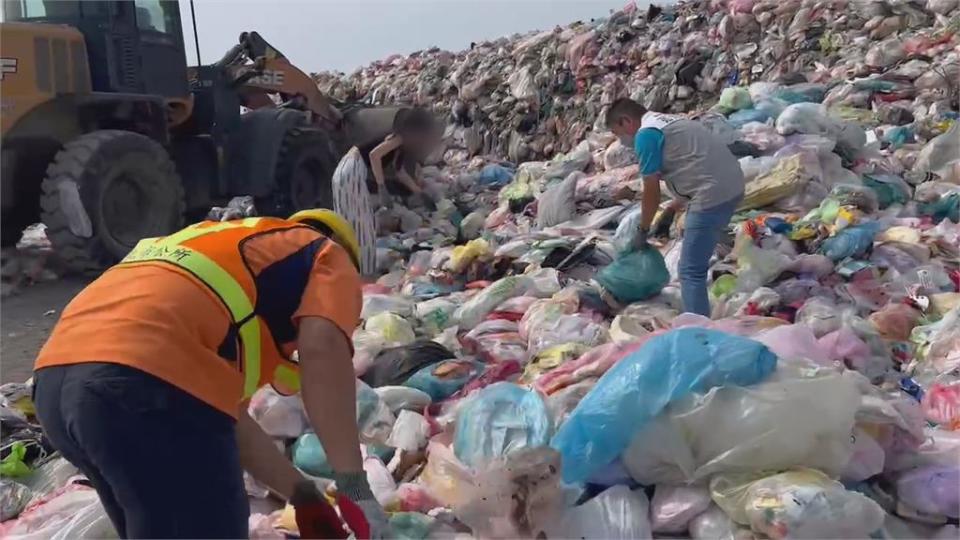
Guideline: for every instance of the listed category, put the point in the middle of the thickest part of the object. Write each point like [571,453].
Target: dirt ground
[25,323]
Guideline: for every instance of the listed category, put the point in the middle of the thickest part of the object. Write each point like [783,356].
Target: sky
[343,35]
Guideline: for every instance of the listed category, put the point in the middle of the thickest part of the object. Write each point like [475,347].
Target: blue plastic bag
[946,207]
[495,175]
[635,275]
[636,389]
[802,93]
[499,419]
[309,456]
[443,379]
[850,242]
[745,116]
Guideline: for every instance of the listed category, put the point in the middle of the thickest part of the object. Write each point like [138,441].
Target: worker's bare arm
[261,458]
[329,391]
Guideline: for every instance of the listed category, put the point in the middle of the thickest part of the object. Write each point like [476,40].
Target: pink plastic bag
[941,404]
[795,341]
[593,363]
[672,507]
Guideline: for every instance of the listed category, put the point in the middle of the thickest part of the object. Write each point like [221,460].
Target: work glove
[355,488]
[316,518]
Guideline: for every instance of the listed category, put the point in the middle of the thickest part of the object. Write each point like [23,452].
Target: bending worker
[699,172]
[144,381]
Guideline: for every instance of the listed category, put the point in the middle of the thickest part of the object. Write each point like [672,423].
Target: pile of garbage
[522,372]
[532,96]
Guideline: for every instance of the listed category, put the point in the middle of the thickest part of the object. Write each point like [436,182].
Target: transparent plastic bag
[565,329]
[782,423]
[410,432]
[279,416]
[672,507]
[634,391]
[478,307]
[932,489]
[714,524]
[617,513]
[867,459]
[515,496]
[756,266]
[820,315]
[14,497]
[68,513]
[447,480]
[795,342]
[500,419]
[392,330]
[803,503]
[374,304]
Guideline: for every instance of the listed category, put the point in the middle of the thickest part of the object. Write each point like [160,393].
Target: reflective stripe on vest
[169,249]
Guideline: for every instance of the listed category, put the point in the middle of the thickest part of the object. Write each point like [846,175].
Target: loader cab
[133,47]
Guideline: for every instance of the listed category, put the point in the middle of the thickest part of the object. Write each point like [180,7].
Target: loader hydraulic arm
[257,69]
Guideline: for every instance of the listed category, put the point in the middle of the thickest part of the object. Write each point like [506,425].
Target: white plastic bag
[788,421]
[73,512]
[617,513]
[714,524]
[399,398]
[410,432]
[477,308]
[279,416]
[672,507]
[374,304]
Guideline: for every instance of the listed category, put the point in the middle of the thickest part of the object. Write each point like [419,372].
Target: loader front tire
[105,191]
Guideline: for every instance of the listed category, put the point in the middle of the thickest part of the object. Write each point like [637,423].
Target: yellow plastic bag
[473,250]
[783,180]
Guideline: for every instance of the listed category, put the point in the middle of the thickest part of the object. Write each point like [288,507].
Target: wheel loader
[108,137]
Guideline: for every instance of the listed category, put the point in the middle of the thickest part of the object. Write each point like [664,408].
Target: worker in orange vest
[144,381]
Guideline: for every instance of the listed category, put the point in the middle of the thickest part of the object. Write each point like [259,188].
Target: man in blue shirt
[699,172]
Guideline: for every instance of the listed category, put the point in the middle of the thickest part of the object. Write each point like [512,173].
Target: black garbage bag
[395,365]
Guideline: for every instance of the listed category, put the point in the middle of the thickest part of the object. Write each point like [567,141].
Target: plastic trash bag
[393,330]
[466,254]
[795,342]
[635,276]
[394,365]
[14,497]
[627,227]
[820,315]
[374,304]
[443,379]
[941,405]
[803,503]
[932,489]
[479,306]
[715,524]
[895,321]
[410,525]
[500,419]
[867,459]
[436,314]
[850,242]
[373,416]
[447,480]
[672,507]
[73,511]
[735,98]
[410,432]
[515,496]
[310,457]
[745,116]
[734,428]
[565,329]
[590,365]
[638,320]
[756,266]
[634,391]
[279,416]
[617,513]
[562,402]
[558,203]
[398,398]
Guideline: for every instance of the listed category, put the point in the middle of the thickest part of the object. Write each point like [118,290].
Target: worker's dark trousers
[165,464]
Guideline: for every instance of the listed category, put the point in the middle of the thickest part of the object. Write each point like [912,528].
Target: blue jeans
[702,229]
[164,463]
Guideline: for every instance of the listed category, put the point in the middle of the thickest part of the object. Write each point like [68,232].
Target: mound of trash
[521,373]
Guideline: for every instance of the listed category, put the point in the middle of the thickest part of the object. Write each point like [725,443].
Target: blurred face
[625,129]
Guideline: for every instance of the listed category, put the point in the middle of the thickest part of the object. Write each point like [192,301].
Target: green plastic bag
[723,285]
[635,275]
[735,98]
[410,525]
[13,466]
[946,207]
[310,457]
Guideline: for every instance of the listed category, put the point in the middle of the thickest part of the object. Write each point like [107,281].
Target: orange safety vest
[200,252]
